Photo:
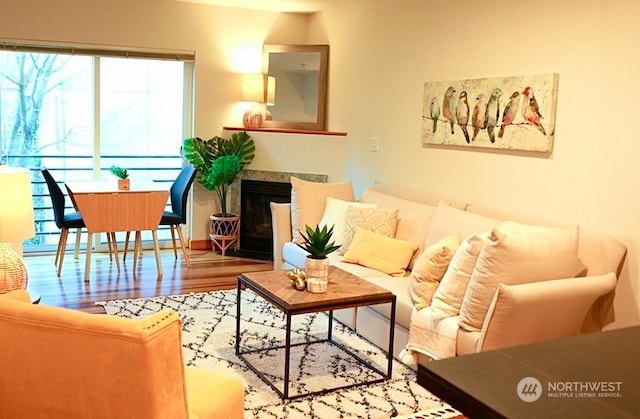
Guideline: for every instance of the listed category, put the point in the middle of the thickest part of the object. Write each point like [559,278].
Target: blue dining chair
[64,221]
[178,194]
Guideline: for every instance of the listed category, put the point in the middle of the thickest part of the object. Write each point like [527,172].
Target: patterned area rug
[209,323]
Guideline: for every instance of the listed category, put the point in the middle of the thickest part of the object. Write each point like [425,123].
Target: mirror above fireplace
[301,76]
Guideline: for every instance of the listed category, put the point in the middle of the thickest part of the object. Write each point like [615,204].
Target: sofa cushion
[386,254]
[413,217]
[447,220]
[308,200]
[450,292]
[335,214]
[400,288]
[429,268]
[379,220]
[517,254]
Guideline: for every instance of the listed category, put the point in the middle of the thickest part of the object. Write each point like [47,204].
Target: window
[78,114]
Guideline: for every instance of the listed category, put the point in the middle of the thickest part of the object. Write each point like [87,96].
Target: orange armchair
[57,362]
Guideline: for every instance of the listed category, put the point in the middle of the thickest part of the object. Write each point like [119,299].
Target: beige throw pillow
[517,254]
[381,221]
[450,293]
[429,269]
[379,252]
[308,200]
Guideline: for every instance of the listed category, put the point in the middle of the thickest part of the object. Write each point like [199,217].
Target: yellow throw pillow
[375,251]
[308,201]
[429,269]
[381,221]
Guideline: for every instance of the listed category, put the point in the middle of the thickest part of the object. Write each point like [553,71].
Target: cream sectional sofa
[550,296]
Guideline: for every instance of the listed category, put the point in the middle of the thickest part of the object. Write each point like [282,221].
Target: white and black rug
[209,324]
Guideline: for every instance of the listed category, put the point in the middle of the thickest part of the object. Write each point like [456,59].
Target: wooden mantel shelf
[287,131]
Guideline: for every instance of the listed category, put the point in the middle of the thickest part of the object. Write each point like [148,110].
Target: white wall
[383,51]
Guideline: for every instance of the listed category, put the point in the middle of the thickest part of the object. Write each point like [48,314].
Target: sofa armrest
[281,225]
[539,311]
[17,295]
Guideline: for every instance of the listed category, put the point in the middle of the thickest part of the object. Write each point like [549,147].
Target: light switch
[374,144]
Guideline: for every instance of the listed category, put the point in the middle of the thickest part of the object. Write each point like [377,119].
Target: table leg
[238,318]
[287,357]
[115,249]
[392,322]
[156,248]
[136,250]
[87,262]
[329,333]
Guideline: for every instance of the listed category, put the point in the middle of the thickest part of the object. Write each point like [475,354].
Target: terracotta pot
[124,184]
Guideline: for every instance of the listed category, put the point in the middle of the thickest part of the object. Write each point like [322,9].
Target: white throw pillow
[335,214]
[308,200]
[450,293]
[517,254]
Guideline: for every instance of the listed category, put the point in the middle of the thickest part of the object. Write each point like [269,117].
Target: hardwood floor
[209,271]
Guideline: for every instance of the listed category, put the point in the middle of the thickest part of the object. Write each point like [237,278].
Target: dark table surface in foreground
[595,375]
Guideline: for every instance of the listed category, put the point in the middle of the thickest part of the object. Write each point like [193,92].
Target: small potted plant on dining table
[124,183]
[317,242]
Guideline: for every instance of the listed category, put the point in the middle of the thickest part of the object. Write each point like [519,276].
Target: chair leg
[126,246]
[109,247]
[57,260]
[63,245]
[76,252]
[184,248]
[173,239]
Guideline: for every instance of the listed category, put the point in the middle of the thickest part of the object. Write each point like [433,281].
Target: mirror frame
[320,123]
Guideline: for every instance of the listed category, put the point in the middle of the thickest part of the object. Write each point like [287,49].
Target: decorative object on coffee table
[124,183]
[319,245]
[218,161]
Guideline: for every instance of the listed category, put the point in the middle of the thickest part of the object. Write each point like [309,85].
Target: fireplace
[250,195]
[256,233]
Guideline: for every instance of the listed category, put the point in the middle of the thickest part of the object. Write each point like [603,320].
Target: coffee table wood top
[344,290]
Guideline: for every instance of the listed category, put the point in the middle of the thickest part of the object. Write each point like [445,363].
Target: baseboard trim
[200,244]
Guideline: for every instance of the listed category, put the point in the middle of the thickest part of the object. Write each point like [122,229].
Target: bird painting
[435,113]
[448,106]
[478,120]
[462,114]
[530,110]
[510,112]
[492,113]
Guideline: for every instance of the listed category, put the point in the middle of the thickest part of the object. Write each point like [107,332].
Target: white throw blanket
[434,338]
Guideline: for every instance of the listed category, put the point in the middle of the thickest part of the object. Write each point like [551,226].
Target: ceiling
[298,6]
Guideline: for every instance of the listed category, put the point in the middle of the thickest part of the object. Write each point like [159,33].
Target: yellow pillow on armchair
[375,251]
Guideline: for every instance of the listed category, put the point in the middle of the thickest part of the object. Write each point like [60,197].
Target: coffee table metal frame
[321,306]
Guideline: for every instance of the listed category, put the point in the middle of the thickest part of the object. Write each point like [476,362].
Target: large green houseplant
[218,161]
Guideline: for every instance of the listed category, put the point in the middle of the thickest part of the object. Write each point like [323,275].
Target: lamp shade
[16,205]
[270,99]
[253,87]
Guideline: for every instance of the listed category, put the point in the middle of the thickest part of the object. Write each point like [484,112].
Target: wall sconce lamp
[260,89]
[16,225]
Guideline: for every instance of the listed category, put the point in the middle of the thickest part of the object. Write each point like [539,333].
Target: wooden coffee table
[344,291]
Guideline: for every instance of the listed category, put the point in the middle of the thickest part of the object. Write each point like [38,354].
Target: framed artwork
[513,113]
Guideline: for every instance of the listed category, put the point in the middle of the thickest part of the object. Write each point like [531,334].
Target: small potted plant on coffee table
[124,183]
[317,242]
